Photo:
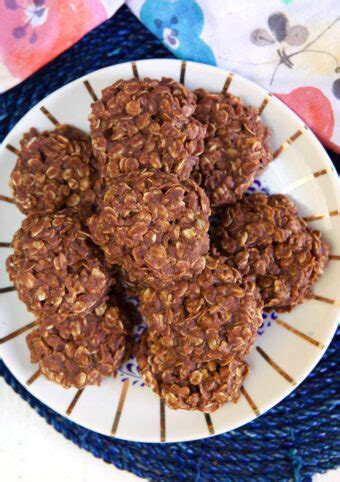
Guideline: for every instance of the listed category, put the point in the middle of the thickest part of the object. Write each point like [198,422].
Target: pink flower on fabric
[33,32]
[315,109]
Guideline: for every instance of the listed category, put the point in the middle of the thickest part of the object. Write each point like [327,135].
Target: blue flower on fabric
[178,23]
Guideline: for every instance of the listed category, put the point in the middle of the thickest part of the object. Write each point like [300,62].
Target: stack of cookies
[127,211]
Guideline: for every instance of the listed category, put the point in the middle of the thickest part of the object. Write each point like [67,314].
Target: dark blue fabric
[296,439]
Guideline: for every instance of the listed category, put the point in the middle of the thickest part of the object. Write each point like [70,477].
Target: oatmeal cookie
[214,315]
[54,170]
[140,124]
[154,226]
[187,384]
[236,147]
[55,267]
[80,350]
[264,237]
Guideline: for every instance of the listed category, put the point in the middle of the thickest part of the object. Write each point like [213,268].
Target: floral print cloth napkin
[290,47]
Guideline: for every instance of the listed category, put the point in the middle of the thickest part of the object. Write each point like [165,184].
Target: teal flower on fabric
[287,2]
[178,23]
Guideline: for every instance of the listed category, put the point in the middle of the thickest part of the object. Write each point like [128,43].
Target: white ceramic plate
[287,347]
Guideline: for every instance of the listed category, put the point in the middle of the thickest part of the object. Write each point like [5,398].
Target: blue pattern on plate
[129,369]
[257,186]
[267,318]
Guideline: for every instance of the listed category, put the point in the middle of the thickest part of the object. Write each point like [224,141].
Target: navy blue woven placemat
[296,439]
